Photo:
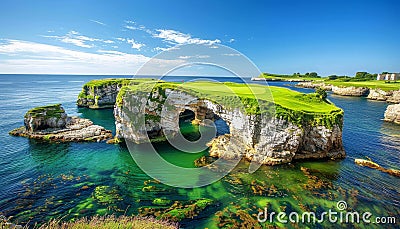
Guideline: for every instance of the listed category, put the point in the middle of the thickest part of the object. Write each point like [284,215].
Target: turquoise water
[40,180]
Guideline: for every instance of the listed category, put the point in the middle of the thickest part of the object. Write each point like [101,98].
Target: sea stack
[51,123]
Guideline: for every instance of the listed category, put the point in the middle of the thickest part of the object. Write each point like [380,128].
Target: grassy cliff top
[48,111]
[114,81]
[227,92]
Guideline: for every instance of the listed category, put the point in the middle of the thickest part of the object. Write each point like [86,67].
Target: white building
[388,76]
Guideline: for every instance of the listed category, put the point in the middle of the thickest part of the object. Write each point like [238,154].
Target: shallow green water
[40,181]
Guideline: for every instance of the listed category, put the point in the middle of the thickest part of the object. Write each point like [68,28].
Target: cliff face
[380,95]
[98,97]
[394,98]
[268,140]
[392,113]
[350,91]
[40,118]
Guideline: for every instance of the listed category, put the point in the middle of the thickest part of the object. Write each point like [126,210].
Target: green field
[282,96]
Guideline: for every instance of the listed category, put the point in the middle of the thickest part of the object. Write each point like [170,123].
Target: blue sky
[117,37]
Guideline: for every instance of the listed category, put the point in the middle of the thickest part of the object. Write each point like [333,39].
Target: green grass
[286,77]
[47,111]
[88,89]
[290,105]
[105,222]
[114,81]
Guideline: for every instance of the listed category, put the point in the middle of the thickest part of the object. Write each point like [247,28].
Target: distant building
[388,76]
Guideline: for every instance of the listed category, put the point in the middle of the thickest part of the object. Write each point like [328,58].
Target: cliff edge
[293,125]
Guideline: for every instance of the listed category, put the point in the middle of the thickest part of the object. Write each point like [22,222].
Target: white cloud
[31,57]
[231,54]
[231,40]
[176,37]
[75,38]
[98,22]
[159,49]
[184,57]
[134,26]
[77,42]
[120,39]
[130,27]
[193,57]
[135,45]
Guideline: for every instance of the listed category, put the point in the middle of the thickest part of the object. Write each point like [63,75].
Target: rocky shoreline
[373,94]
[266,140]
[51,123]
[392,113]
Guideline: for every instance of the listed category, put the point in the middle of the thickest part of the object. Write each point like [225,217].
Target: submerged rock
[178,211]
[51,123]
[373,165]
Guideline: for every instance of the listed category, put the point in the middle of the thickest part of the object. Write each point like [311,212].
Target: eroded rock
[51,123]
[267,140]
[392,113]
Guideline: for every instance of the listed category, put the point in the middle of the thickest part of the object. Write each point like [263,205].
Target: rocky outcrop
[267,140]
[350,91]
[102,93]
[51,123]
[394,98]
[327,87]
[392,113]
[380,95]
[40,118]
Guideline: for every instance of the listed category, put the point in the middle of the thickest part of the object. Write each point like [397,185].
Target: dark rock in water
[51,123]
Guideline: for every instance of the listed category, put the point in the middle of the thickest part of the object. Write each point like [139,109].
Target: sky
[278,36]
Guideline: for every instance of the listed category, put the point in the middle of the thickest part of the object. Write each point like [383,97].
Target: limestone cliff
[394,98]
[380,95]
[392,113]
[268,140]
[350,91]
[40,118]
[102,93]
[51,123]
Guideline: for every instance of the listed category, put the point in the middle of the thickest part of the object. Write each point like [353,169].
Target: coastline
[93,163]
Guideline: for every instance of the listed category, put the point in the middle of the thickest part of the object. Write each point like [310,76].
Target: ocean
[40,181]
